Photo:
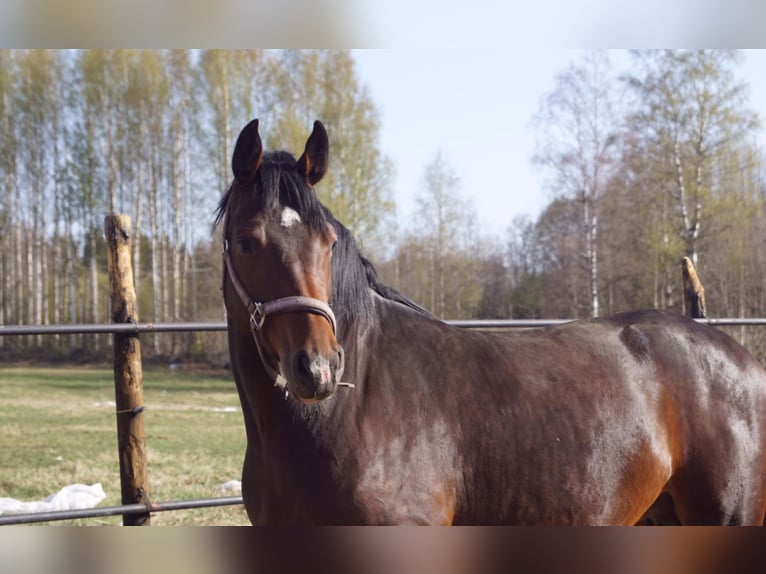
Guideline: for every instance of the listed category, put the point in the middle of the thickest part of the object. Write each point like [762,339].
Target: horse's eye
[244,246]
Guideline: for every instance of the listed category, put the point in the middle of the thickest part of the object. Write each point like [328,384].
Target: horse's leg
[661,513]
[705,496]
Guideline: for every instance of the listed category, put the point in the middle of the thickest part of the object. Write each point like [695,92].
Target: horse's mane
[353,275]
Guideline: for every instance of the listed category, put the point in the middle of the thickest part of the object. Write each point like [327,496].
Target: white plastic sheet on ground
[71,497]
[230,488]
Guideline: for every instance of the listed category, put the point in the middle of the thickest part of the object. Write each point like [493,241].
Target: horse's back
[599,417]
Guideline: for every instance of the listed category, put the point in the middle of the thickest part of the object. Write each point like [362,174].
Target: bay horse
[360,407]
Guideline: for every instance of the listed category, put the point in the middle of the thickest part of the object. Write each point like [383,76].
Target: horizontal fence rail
[106,328]
[98,328]
[123,509]
[133,509]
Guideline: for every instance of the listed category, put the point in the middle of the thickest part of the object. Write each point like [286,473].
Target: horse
[361,407]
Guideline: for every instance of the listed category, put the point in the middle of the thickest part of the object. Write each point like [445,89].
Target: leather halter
[259,311]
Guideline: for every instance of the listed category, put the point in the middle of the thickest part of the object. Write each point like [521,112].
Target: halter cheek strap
[259,311]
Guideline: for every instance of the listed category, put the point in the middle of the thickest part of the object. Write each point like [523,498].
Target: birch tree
[37,93]
[577,145]
[689,106]
[217,76]
[437,218]
[324,85]
[8,217]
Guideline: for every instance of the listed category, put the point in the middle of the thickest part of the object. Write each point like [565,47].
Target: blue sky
[476,106]
[491,24]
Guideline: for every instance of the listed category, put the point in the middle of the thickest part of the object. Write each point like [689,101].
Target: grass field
[57,427]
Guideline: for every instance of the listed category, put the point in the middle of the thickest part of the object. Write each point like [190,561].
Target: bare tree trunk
[3,281]
[441,305]
[58,203]
[18,277]
[9,270]
[140,161]
[590,226]
[190,276]
[164,274]
[58,260]
[176,241]
[6,233]
[691,228]
[154,225]
[742,302]
[29,248]
[137,233]
[432,283]
[94,287]
[111,160]
[138,207]
[227,136]
[71,281]
[41,265]
[36,268]
[44,291]
[177,212]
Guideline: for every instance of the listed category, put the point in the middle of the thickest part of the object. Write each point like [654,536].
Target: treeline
[645,165]
[150,133]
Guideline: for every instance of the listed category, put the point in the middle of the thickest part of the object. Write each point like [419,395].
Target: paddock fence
[135,508]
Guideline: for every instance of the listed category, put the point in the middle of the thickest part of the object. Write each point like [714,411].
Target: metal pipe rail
[114,328]
[93,328]
[54,515]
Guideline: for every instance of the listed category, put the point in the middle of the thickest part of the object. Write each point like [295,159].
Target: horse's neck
[356,347]
[259,398]
[364,343]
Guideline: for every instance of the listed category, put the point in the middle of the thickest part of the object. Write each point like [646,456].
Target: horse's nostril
[303,365]
[316,375]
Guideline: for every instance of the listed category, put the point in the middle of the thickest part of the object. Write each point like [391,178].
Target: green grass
[57,427]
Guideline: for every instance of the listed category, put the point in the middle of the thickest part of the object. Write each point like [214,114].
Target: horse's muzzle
[315,376]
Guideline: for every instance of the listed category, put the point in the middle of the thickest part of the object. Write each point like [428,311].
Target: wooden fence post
[694,292]
[128,376]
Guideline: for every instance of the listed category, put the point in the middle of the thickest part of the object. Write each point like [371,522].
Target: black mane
[353,275]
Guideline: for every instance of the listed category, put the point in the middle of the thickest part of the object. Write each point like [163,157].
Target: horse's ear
[247,154]
[312,165]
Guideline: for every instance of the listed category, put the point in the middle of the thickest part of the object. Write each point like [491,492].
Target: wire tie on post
[133,412]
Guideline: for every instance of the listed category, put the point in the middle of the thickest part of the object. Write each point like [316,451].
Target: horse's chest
[409,479]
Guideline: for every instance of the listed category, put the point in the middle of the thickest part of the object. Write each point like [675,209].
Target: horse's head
[278,243]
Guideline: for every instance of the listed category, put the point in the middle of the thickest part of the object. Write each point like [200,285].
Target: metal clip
[257,316]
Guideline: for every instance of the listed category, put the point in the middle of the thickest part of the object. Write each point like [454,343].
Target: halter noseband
[259,311]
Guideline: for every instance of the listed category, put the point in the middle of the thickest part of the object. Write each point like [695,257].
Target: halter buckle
[257,316]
